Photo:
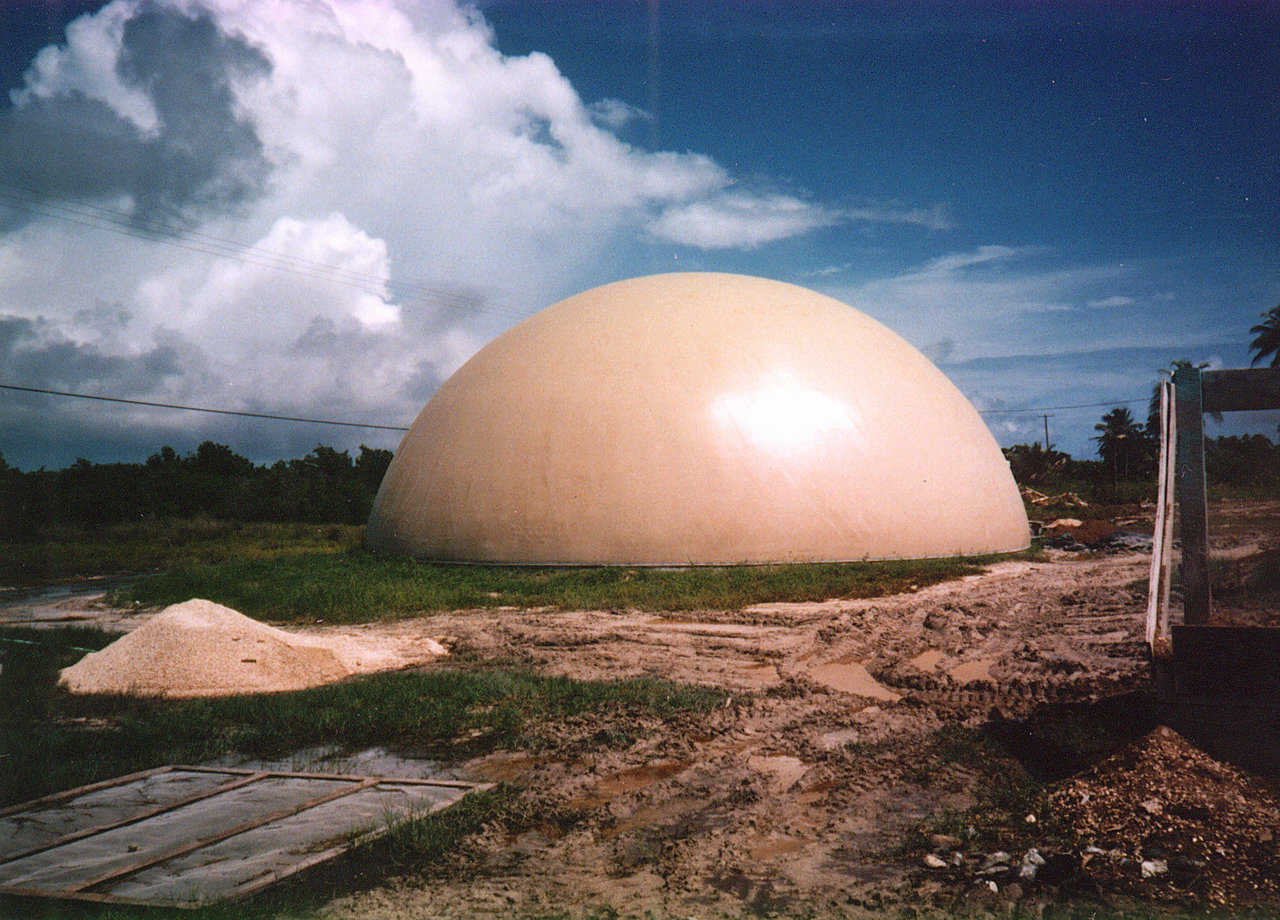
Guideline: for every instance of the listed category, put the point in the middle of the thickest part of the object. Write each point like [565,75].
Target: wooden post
[1162,534]
[1191,496]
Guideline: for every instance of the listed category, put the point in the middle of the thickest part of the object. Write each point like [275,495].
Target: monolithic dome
[695,419]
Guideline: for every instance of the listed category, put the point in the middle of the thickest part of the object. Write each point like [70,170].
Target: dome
[697,418]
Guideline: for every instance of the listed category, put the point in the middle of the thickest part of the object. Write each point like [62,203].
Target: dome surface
[697,418]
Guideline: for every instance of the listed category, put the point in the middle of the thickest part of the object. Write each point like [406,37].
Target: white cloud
[934,218]
[615,114]
[991,300]
[1117,300]
[739,219]
[367,190]
[736,219]
[87,64]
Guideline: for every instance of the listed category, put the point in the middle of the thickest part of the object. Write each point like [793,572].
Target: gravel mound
[1165,821]
[199,648]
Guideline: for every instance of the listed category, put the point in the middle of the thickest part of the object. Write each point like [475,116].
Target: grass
[73,552]
[356,585]
[52,740]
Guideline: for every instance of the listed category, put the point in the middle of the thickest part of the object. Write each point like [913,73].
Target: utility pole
[1046,432]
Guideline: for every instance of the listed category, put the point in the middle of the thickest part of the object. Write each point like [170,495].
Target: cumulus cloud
[141,106]
[323,206]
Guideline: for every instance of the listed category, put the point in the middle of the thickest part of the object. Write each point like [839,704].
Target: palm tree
[1267,338]
[1119,439]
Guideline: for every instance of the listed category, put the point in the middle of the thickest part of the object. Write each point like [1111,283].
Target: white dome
[697,418]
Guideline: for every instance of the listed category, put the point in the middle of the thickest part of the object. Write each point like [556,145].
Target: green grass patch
[361,586]
[71,552]
[50,739]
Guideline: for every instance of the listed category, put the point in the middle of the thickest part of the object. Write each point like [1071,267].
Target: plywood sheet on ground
[189,836]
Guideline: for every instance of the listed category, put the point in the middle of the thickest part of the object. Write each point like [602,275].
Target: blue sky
[324,208]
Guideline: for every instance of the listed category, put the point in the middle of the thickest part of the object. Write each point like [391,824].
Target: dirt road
[854,730]
[799,793]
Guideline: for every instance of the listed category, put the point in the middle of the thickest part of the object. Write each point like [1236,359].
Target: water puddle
[852,678]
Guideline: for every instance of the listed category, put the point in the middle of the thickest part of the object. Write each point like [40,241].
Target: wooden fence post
[1191,496]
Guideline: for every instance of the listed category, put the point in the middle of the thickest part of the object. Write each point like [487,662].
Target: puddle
[852,678]
[609,788]
[971,671]
[927,661]
[770,846]
[503,767]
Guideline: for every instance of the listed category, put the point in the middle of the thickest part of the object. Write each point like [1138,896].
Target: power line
[1039,409]
[322,421]
[161,405]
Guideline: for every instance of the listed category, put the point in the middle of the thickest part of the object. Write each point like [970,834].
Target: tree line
[1127,455]
[325,486]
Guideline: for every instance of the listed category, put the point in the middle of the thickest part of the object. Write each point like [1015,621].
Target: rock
[998,858]
[1012,891]
[1031,863]
[1154,867]
[944,842]
[1184,868]
[1152,807]
[935,620]
[933,861]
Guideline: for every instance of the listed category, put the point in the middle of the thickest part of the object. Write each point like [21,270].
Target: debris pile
[1070,499]
[1159,820]
[1075,535]
[1163,819]
[199,648]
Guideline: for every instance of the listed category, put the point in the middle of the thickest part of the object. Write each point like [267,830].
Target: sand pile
[199,648]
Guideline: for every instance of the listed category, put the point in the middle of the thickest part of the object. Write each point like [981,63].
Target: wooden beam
[1241,390]
[1191,495]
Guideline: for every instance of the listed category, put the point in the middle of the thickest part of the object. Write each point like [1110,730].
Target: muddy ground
[914,753]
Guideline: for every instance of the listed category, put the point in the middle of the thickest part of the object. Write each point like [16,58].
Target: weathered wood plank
[1157,625]
[152,859]
[1191,495]
[1241,390]
[240,780]
[81,790]
[197,859]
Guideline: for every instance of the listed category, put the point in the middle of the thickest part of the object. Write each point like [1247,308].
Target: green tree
[1121,443]
[1031,463]
[1266,338]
